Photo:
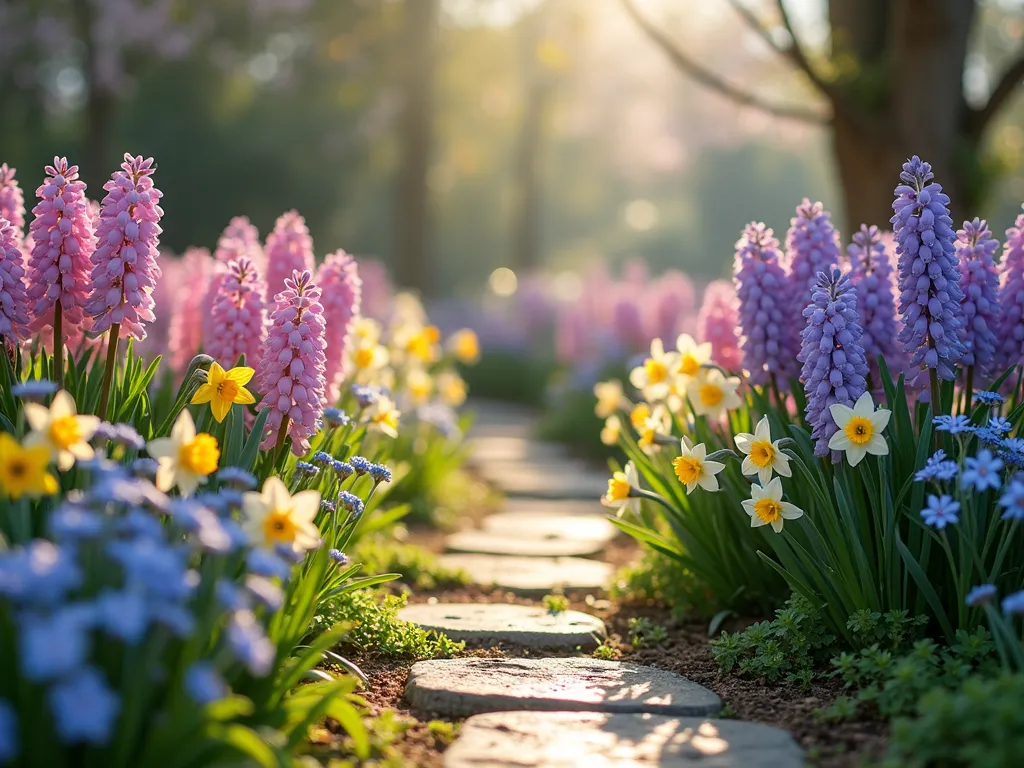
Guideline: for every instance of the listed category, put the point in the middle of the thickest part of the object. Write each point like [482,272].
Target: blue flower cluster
[981,314]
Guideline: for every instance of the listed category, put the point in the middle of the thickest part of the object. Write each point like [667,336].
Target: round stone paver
[564,479]
[494,449]
[493,544]
[576,507]
[540,524]
[573,739]
[482,624]
[463,687]
[531,575]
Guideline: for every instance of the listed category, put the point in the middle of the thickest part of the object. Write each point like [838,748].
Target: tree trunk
[526,214]
[412,225]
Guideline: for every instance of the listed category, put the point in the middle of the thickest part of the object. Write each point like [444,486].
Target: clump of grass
[556,603]
[606,651]
[376,630]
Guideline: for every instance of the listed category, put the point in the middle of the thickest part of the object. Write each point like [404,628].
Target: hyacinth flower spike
[1011,297]
[871,274]
[14,318]
[125,269]
[338,278]
[975,249]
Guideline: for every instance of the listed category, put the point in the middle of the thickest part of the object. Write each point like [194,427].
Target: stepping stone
[549,507]
[571,739]
[495,623]
[546,480]
[464,687]
[501,448]
[548,525]
[531,575]
[494,544]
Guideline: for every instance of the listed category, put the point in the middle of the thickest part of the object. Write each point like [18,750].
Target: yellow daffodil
[365,330]
[712,394]
[611,430]
[654,377]
[640,413]
[61,430]
[610,398]
[223,388]
[420,344]
[658,423]
[420,385]
[465,345]
[186,459]
[620,487]
[368,357]
[451,388]
[693,469]
[23,470]
[762,456]
[273,517]
[766,507]
[692,356]
[860,429]
[384,416]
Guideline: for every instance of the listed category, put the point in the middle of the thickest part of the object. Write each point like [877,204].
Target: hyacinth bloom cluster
[240,239]
[980,309]
[236,324]
[1011,297]
[929,281]
[125,268]
[291,370]
[12,203]
[871,274]
[812,246]
[185,335]
[289,249]
[835,369]
[717,323]
[341,288]
[762,287]
[63,243]
[14,318]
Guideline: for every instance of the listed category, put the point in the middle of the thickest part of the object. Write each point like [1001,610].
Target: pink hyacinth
[377,288]
[289,249]
[672,306]
[186,332]
[236,323]
[12,203]
[291,370]
[239,240]
[341,287]
[14,317]
[125,268]
[717,323]
[63,242]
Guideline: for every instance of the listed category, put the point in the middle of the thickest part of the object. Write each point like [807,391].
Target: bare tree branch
[1011,78]
[756,25]
[712,80]
[796,53]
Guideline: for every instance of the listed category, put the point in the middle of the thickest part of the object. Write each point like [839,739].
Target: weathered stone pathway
[559,712]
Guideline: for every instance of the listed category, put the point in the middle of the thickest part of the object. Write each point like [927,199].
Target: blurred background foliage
[551,132]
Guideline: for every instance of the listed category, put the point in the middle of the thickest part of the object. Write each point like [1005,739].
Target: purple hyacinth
[14,316]
[835,368]
[125,268]
[236,323]
[980,306]
[338,278]
[1011,297]
[929,281]
[812,246]
[871,275]
[762,288]
[291,370]
[63,242]
[289,249]
[12,203]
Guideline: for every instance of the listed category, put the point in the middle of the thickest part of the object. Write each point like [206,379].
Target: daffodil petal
[241,375]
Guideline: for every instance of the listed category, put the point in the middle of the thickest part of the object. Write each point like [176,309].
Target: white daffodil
[420,385]
[611,430]
[762,456]
[659,422]
[654,377]
[368,357]
[61,430]
[610,398]
[860,429]
[620,487]
[692,356]
[384,416]
[766,507]
[185,458]
[273,517]
[693,469]
[451,388]
[712,394]
[639,414]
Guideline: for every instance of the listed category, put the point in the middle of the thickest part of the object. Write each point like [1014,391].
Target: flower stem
[282,434]
[968,391]
[933,380]
[58,344]
[108,376]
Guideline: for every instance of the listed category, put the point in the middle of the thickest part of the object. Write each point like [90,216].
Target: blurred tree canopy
[448,137]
